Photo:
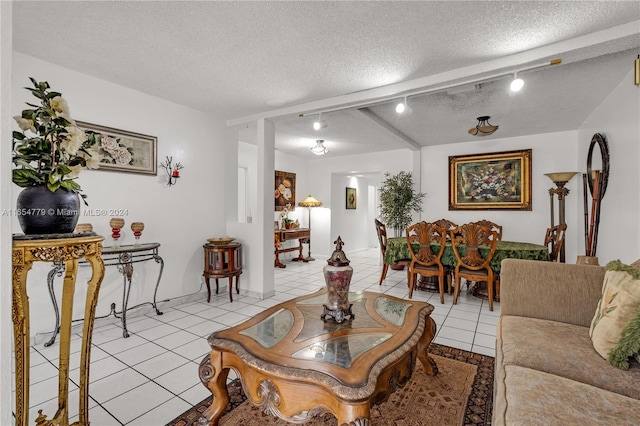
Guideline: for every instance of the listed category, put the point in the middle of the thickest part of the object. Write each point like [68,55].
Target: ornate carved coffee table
[296,366]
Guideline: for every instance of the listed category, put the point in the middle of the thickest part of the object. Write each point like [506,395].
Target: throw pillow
[615,328]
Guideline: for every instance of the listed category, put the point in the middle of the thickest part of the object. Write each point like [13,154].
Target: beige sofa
[546,371]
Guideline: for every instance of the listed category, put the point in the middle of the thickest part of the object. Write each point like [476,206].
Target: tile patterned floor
[152,376]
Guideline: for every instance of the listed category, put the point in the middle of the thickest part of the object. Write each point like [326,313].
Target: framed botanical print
[495,181]
[123,151]
[351,198]
[285,190]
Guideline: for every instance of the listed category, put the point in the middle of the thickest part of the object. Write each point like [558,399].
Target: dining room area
[445,258]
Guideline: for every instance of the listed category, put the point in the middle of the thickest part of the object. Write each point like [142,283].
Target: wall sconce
[172,169]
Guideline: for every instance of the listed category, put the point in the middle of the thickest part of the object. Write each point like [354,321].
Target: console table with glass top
[296,366]
[123,257]
[66,249]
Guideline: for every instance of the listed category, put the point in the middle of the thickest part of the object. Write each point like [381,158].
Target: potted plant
[48,153]
[398,201]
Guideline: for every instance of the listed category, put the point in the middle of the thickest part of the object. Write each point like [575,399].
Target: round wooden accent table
[222,261]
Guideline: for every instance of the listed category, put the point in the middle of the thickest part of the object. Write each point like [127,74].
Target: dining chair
[423,259]
[466,241]
[381,230]
[554,239]
[492,227]
[447,225]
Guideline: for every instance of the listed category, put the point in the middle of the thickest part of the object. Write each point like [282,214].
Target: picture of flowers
[500,180]
[122,151]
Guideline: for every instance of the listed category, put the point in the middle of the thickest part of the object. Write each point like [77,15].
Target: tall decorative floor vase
[41,211]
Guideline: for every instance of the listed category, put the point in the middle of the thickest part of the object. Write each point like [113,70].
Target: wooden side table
[222,261]
[67,248]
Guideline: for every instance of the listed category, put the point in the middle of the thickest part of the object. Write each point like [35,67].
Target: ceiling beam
[406,140]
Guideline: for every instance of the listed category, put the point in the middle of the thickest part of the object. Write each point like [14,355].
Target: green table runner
[397,249]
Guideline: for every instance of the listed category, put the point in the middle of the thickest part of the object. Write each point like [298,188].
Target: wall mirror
[598,159]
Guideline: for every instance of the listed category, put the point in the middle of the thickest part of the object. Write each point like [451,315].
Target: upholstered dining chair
[471,265]
[492,227]
[554,239]
[424,260]
[381,230]
[447,225]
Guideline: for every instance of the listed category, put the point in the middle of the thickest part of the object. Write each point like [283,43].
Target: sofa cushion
[538,398]
[615,328]
[561,349]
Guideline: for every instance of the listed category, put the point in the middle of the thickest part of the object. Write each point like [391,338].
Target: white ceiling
[243,60]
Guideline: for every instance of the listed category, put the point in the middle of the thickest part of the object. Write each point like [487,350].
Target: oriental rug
[460,394]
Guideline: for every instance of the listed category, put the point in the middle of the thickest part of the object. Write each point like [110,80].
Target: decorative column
[560,179]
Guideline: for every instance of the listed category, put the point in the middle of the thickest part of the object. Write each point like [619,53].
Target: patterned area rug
[461,394]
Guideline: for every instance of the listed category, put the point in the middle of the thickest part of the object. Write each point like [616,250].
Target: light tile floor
[151,377]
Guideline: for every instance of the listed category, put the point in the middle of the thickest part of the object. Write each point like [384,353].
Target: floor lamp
[560,179]
[310,202]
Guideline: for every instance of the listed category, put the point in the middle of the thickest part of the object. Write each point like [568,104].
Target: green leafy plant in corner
[398,201]
[50,149]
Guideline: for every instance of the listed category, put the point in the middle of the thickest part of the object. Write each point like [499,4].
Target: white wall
[618,119]
[6,125]
[551,152]
[321,185]
[180,217]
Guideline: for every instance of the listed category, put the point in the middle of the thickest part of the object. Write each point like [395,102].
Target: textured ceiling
[238,59]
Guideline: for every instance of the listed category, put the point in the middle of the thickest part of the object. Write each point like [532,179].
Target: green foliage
[50,149]
[398,201]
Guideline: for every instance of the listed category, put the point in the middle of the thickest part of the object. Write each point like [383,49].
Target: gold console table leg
[68,249]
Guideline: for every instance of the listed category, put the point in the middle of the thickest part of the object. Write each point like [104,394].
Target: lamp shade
[560,176]
[310,202]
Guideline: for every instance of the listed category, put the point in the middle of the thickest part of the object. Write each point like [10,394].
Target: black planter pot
[41,211]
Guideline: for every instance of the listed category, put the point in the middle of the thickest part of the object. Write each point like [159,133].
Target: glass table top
[317,337]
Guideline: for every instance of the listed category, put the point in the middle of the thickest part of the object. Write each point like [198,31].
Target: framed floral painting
[285,191]
[495,181]
[123,151]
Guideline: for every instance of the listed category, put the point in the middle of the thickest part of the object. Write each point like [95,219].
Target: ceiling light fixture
[319,123]
[403,107]
[483,128]
[517,83]
[319,149]
[476,82]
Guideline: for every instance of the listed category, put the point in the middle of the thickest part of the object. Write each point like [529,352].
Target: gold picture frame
[123,151]
[493,181]
[285,190]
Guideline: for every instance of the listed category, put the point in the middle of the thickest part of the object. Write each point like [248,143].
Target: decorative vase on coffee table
[41,211]
[337,275]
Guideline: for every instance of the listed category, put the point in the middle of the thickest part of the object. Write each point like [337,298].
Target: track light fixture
[403,107]
[319,149]
[319,123]
[516,83]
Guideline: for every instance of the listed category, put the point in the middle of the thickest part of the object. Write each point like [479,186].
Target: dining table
[397,249]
